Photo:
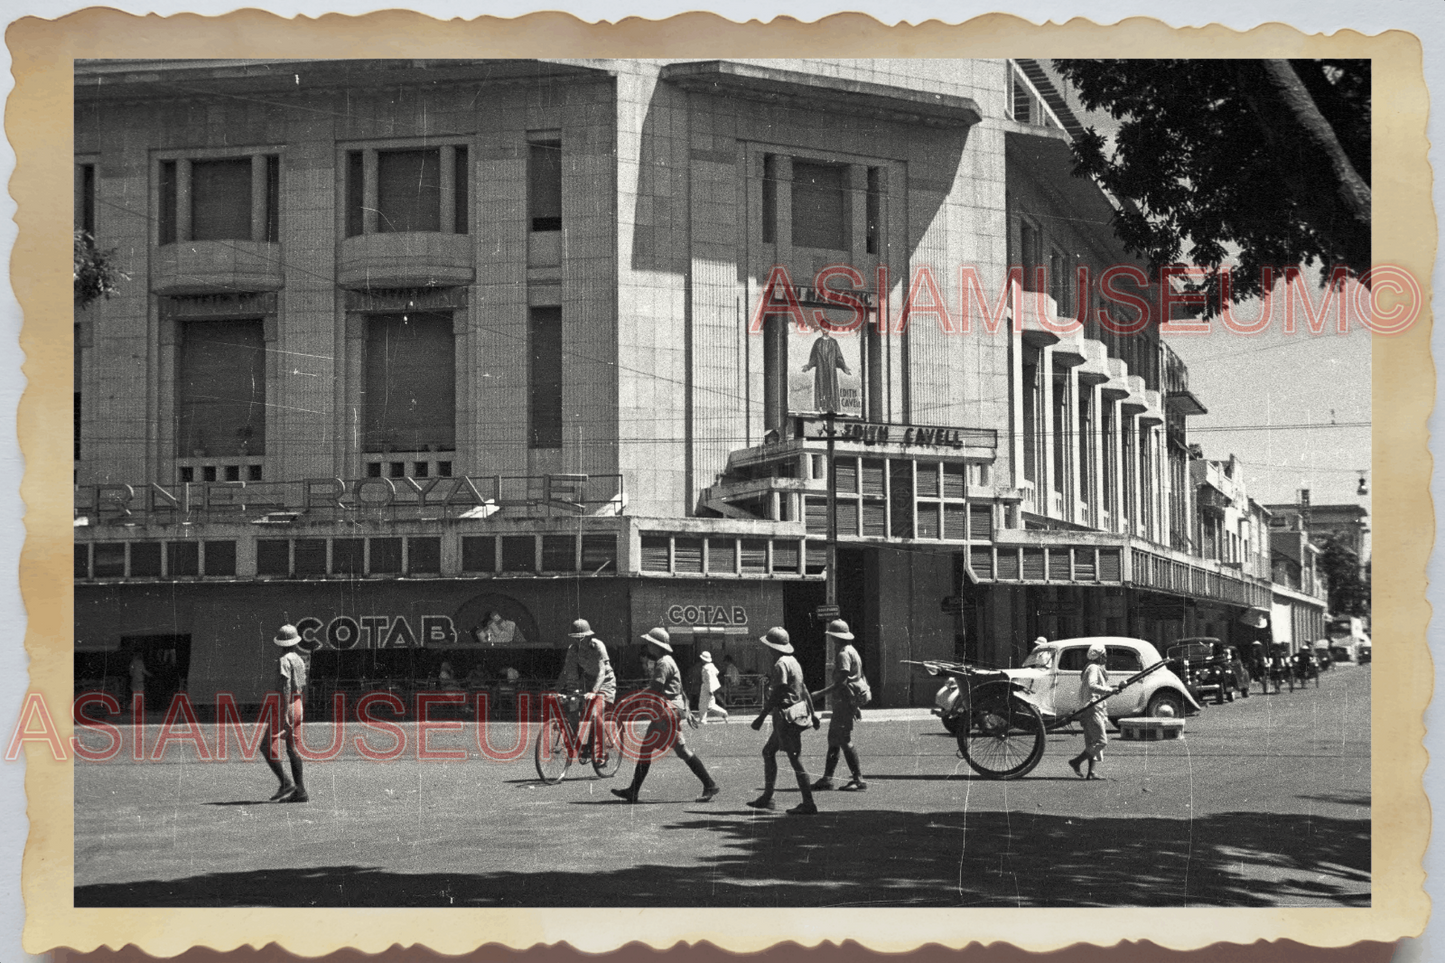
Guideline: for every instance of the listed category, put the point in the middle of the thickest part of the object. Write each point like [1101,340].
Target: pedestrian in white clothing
[707,704]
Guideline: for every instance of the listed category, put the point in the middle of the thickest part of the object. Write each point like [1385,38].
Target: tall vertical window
[1088,448]
[76,353]
[1030,254]
[1030,418]
[544,185]
[874,210]
[544,377]
[1106,427]
[770,198]
[85,198]
[355,193]
[409,400]
[461,196]
[820,205]
[224,199]
[1060,432]
[1061,287]
[408,190]
[221,389]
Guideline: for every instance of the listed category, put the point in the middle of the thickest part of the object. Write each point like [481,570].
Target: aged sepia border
[38,125]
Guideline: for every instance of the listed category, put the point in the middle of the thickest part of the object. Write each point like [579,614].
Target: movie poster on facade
[825,364]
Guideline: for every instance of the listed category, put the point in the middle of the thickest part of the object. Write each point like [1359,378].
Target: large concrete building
[432,357]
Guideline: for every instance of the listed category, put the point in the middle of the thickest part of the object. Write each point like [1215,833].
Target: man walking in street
[849,692]
[287,728]
[666,682]
[707,704]
[786,689]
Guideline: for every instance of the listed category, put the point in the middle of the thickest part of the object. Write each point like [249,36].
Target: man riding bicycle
[586,668]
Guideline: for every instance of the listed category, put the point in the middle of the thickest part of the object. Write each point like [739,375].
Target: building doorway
[167,663]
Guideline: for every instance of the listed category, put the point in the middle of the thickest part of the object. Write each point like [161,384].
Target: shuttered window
[981,560]
[846,470]
[559,553]
[478,553]
[1059,564]
[875,520]
[687,555]
[273,557]
[519,553]
[927,519]
[599,554]
[409,402]
[722,556]
[927,475]
[847,517]
[955,521]
[221,389]
[755,556]
[980,519]
[145,559]
[1084,564]
[424,556]
[386,556]
[815,512]
[183,559]
[785,557]
[310,556]
[872,477]
[348,556]
[1034,564]
[953,481]
[656,551]
[1008,563]
[221,558]
[1109,565]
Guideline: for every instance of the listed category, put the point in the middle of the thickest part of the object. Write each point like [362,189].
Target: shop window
[221,558]
[110,559]
[559,553]
[409,401]
[183,559]
[273,557]
[221,389]
[544,377]
[310,556]
[424,556]
[519,553]
[385,556]
[820,205]
[544,185]
[479,553]
[599,554]
[348,556]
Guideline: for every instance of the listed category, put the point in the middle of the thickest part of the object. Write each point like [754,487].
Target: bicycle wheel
[551,754]
[1005,735]
[607,757]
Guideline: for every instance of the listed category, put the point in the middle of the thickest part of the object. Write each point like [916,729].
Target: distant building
[1346,524]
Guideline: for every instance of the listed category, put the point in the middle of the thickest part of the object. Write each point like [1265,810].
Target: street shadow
[873,857]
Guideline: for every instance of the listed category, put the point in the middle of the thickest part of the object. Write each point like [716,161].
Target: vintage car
[1050,678]
[1211,667]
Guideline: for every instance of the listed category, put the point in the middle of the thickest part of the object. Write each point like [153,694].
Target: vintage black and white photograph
[724,483]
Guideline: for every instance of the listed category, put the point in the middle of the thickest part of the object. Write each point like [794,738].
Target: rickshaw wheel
[1005,735]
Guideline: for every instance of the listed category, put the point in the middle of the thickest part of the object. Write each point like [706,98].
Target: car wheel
[1165,705]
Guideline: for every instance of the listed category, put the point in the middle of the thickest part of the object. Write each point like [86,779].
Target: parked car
[1050,677]
[1211,668]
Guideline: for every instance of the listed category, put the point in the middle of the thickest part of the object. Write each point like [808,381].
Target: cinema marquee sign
[901,436]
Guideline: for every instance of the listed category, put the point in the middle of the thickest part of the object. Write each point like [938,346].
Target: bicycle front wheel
[1004,738]
[551,754]
[607,755]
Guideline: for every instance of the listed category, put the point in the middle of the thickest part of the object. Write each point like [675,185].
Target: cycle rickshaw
[1002,732]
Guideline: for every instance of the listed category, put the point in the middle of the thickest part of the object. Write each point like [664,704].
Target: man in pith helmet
[666,682]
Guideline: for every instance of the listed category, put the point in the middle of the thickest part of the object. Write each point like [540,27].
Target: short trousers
[786,737]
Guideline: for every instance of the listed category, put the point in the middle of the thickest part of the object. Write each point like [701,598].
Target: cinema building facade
[431,358]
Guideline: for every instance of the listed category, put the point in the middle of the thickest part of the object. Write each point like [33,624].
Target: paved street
[1264,802]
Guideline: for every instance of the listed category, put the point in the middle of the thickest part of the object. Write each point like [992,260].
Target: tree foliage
[1349,593]
[96,275]
[1267,161]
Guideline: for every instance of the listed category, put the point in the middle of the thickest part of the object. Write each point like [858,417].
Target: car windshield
[1039,659]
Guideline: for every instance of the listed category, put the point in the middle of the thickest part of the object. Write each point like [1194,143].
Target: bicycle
[553,757]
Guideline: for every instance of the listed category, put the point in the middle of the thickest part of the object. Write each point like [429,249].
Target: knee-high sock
[639,774]
[850,754]
[803,785]
[832,762]
[770,774]
[695,763]
[269,752]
